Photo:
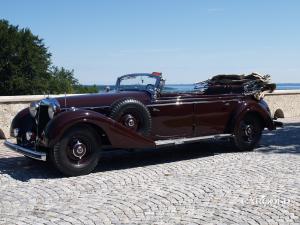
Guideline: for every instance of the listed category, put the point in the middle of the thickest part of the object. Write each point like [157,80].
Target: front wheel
[77,153]
[247,133]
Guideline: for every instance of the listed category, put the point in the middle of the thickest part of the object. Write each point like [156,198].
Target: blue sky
[187,40]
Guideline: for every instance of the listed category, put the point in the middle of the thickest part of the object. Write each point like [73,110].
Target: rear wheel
[77,153]
[247,133]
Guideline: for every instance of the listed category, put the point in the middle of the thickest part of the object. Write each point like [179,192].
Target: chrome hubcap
[79,150]
[129,121]
[249,130]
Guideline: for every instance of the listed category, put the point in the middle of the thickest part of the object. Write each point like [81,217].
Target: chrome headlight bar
[33,107]
[52,103]
[52,109]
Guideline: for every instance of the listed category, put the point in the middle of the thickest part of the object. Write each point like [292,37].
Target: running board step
[179,141]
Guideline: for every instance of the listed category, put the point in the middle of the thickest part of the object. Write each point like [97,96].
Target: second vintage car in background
[72,131]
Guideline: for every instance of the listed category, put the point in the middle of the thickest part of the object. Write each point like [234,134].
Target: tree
[25,66]
[86,89]
[24,61]
[61,81]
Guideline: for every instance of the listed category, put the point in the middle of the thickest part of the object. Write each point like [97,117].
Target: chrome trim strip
[179,141]
[86,107]
[188,103]
[186,98]
[25,151]
[95,107]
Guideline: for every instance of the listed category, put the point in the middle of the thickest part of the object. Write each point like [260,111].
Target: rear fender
[259,109]
[118,135]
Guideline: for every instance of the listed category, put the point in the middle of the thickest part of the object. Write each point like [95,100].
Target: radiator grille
[42,119]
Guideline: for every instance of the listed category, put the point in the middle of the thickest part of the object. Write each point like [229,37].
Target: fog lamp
[29,135]
[16,132]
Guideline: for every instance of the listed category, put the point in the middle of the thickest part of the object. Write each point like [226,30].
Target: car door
[171,118]
[212,114]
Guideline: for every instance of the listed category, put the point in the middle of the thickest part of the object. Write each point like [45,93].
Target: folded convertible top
[252,84]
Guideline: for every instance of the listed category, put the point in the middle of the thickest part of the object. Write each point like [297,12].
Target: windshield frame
[159,83]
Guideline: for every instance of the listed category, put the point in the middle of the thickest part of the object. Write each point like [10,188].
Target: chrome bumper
[27,152]
[277,124]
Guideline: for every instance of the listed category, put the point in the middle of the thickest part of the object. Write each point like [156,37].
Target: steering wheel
[150,87]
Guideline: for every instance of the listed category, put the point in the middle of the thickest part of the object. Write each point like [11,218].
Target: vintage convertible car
[71,132]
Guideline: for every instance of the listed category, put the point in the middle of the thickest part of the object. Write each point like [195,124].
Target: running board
[179,141]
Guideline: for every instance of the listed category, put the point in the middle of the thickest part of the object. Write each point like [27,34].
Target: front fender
[252,106]
[118,135]
[23,121]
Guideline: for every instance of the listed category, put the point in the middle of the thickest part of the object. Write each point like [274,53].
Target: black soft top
[246,84]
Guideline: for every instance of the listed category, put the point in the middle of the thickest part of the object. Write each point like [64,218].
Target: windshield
[137,82]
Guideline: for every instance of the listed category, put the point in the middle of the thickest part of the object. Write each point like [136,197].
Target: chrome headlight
[52,109]
[33,107]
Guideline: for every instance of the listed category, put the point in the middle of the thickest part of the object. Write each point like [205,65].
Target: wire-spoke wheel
[77,153]
[247,133]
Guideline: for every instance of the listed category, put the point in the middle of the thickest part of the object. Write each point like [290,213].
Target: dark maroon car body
[176,118]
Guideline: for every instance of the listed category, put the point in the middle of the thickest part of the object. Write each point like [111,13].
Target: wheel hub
[129,121]
[249,130]
[79,150]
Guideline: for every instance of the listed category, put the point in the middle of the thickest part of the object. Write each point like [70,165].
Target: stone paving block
[204,183]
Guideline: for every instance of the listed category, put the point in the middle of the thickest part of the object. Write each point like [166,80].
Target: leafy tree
[61,81]
[25,66]
[24,61]
[86,89]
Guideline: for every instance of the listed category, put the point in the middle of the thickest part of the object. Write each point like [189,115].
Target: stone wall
[288,101]
[7,112]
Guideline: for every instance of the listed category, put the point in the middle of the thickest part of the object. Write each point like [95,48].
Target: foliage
[63,81]
[25,66]
[86,89]
[24,61]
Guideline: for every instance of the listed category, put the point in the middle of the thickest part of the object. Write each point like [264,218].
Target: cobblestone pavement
[195,184]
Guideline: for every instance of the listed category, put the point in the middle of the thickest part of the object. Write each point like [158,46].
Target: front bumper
[277,124]
[26,151]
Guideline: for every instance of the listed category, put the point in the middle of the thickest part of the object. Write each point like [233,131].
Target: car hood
[102,99]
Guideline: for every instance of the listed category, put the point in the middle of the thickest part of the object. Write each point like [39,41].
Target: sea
[189,87]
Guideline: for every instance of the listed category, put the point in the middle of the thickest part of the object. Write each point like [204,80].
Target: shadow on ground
[285,140]
[24,169]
